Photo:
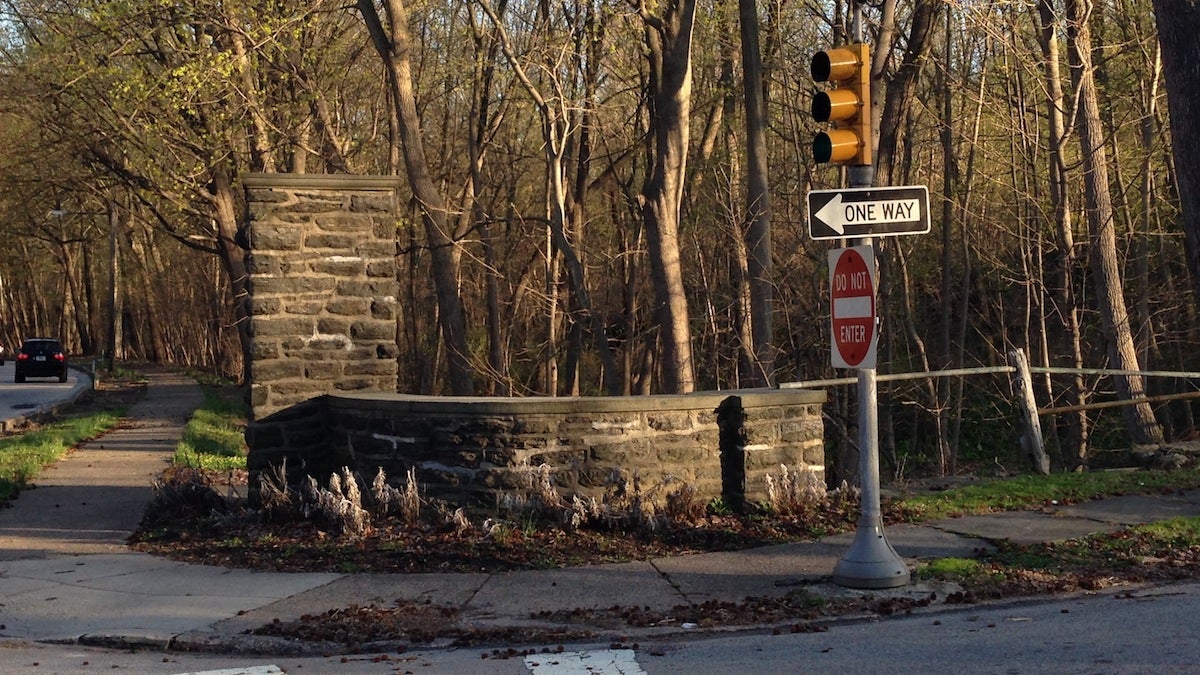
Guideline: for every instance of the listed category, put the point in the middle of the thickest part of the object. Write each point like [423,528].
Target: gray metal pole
[871,561]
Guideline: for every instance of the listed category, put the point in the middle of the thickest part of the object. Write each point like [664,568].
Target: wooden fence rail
[1022,383]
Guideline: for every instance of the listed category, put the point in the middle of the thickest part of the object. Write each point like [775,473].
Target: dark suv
[41,357]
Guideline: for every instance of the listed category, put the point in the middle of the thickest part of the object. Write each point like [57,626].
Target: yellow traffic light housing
[847,105]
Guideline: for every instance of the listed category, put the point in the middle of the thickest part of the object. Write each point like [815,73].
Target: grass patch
[23,457]
[1026,492]
[951,569]
[1168,550]
[214,438]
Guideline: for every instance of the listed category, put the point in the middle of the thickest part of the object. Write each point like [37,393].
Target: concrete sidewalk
[66,576]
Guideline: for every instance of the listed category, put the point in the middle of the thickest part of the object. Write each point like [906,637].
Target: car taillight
[60,356]
[22,357]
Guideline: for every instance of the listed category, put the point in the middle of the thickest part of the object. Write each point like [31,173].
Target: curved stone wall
[323,380]
[468,450]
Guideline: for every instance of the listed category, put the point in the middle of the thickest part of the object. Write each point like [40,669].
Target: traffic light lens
[820,67]
[822,148]
[821,106]
[835,105]
[836,145]
[834,65]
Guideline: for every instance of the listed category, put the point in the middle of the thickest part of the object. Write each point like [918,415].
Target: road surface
[1148,630]
[36,393]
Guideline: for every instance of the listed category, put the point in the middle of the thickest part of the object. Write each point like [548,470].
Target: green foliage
[1178,531]
[719,507]
[23,457]
[951,569]
[1112,551]
[1036,490]
[214,436]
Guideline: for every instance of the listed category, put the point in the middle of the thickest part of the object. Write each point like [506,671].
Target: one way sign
[868,212]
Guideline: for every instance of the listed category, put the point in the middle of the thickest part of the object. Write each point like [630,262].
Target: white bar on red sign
[852,308]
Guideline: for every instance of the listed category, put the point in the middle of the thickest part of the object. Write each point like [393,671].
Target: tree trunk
[902,88]
[394,46]
[1178,25]
[1122,352]
[233,256]
[1060,198]
[669,43]
[758,201]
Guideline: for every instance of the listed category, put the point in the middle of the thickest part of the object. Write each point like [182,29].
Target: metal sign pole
[871,561]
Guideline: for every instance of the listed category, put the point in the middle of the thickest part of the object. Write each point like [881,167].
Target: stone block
[325,347]
[361,384]
[268,197]
[310,202]
[274,326]
[378,367]
[381,269]
[386,228]
[332,241]
[264,349]
[374,202]
[340,266]
[277,369]
[329,325]
[260,263]
[384,309]
[261,305]
[320,371]
[275,237]
[376,288]
[670,421]
[349,306]
[304,307]
[293,286]
[684,454]
[373,330]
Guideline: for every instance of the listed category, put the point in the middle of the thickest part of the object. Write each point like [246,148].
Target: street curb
[607,636]
[41,412]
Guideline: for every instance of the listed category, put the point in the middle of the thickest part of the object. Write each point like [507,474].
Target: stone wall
[322,287]
[323,380]
[468,450]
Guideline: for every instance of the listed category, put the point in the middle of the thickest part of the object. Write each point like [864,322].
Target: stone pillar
[323,296]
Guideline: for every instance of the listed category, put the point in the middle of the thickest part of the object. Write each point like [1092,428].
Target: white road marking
[596,662]
[248,670]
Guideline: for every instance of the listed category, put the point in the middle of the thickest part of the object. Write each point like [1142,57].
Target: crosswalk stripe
[248,670]
[594,662]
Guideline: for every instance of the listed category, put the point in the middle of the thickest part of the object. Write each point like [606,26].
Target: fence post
[1031,437]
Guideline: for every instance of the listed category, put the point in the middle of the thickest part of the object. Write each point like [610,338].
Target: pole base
[871,561]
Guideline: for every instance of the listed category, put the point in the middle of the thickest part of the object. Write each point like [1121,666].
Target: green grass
[1171,543]
[951,569]
[23,457]
[214,436]
[1035,490]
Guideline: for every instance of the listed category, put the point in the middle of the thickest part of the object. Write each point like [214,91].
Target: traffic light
[847,105]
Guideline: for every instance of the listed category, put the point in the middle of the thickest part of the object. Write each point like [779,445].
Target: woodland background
[608,196]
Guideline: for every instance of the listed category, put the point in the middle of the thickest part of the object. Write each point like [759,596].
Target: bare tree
[1122,352]
[758,202]
[1178,25]
[669,49]
[394,44]
[556,123]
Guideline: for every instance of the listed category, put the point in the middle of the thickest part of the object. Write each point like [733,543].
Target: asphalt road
[1148,630]
[19,400]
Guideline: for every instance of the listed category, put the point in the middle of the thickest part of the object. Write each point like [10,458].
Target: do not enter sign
[852,280]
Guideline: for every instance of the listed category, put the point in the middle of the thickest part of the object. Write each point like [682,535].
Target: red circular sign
[853,307]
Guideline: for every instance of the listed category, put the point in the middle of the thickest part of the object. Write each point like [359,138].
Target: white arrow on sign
[837,214]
